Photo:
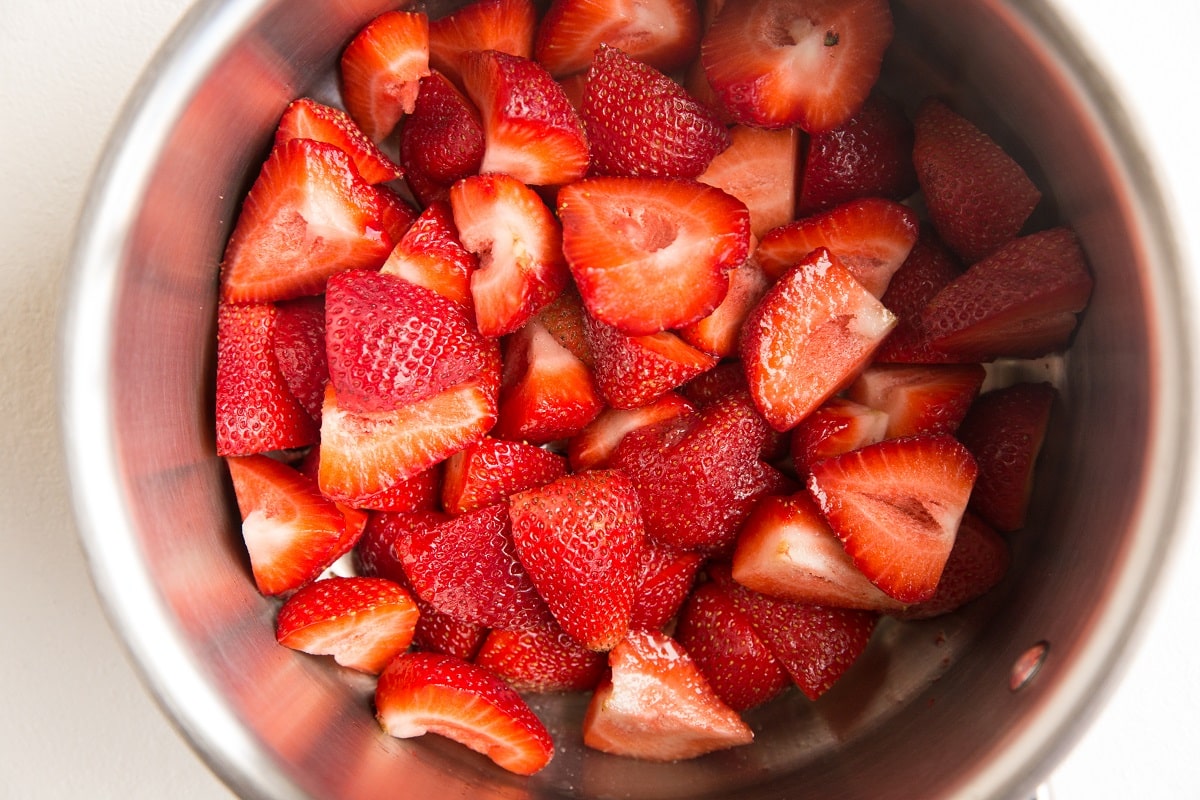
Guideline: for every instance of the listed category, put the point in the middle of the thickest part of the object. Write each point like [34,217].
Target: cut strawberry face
[896,506]
[429,254]
[490,470]
[662,33]
[531,130]
[658,706]
[362,622]
[836,426]
[979,560]
[919,398]
[381,70]
[929,268]
[504,25]
[564,318]
[307,119]
[308,216]
[541,660]
[594,446]
[640,122]
[441,141]
[666,579]
[421,693]
[758,168]
[808,63]
[813,331]
[651,253]
[718,334]
[634,371]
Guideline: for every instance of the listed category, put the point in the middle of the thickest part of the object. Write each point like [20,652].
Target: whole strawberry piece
[543,659]
[441,141]
[381,70]
[662,33]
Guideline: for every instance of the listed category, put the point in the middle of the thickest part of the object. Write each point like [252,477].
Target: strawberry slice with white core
[595,444]
[382,68]
[806,63]
[307,119]
[919,398]
[650,254]
[896,506]
[633,371]
[662,33]
[429,254]
[504,25]
[718,334]
[363,622]
[758,168]
[421,693]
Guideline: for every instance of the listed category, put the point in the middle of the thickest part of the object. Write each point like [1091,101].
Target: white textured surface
[77,722]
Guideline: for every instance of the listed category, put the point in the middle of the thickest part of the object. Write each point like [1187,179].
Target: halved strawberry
[633,371]
[541,660]
[896,506]
[978,197]
[430,255]
[929,268]
[919,398]
[658,706]
[640,122]
[594,446]
[362,622]
[662,33]
[290,529]
[813,331]
[810,63]
[979,560]
[1004,429]
[421,693]
[871,237]
[836,426]
[580,538]
[519,245]
[441,141]
[308,215]
[305,118]
[651,253]
[531,130]
[381,70]
[491,469]
[718,333]
[758,168]
[666,579]
[504,25]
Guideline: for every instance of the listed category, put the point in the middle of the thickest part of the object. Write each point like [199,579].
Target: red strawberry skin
[595,445]
[919,398]
[666,580]
[541,660]
[429,254]
[491,469]
[929,268]
[635,371]
[442,140]
[979,561]
[307,119]
[836,426]
[300,350]
[381,70]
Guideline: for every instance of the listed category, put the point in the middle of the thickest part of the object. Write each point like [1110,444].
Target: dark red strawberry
[381,70]
[441,141]
[979,560]
[919,398]
[504,25]
[726,378]
[836,426]
[429,254]
[758,168]
[718,333]
[593,446]
[490,470]
[662,33]
[929,268]
[666,580]
[307,119]
[541,660]
[634,371]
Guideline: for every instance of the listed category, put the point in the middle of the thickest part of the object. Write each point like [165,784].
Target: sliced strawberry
[421,492]
[836,426]
[541,660]
[564,318]
[811,63]
[290,529]
[919,398]
[658,706]
[871,237]
[666,579]
[719,332]
[633,371]
[662,33]
[651,253]
[490,470]
[307,119]
[978,197]
[519,245]
[504,25]
[929,268]
[396,213]
[1004,430]
[430,255]
[381,70]
[531,130]
[896,506]
[758,168]
[813,331]
[726,378]
[979,560]
[421,693]
[362,622]
[308,216]
[594,446]
[640,122]
[581,538]
[441,141]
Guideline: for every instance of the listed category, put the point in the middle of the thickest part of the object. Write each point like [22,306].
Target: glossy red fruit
[919,398]
[307,119]
[491,469]
[430,254]
[504,25]
[719,333]
[300,350]
[594,446]
[662,33]
[758,168]
[541,660]
[979,561]
[836,426]
[665,582]
[396,213]
[634,371]
[441,141]
[381,70]
[929,268]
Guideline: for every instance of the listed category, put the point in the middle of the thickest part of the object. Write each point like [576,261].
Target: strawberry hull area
[930,704]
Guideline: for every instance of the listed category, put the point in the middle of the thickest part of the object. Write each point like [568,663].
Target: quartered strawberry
[836,426]
[541,660]
[580,538]
[491,469]
[758,168]
[633,371]
[896,506]
[978,197]
[1004,429]
[421,492]
[309,215]
[564,318]
[929,268]
[726,378]
[504,25]
[307,119]
[531,131]
[395,212]
[919,398]
[381,70]
[421,693]
[441,141]
[640,122]
[666,579]
[651,253]
[392,343]
[594,446]
[813,331]
[871,237]
[658,706]
[662,33]
[979,560]
[869,155]
[291,530]
[718,333]
[363,622]
[300,350]
[429,254]
[519,245]
[806,63]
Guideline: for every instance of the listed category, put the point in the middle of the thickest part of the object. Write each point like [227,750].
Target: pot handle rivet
[1027,665]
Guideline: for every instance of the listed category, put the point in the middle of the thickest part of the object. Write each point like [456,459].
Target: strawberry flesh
[307,119]
[662,33]
[381,70]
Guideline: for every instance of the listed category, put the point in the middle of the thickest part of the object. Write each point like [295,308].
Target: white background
[74,720]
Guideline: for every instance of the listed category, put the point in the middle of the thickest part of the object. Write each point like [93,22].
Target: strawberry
[662,33]
[719,332]
[564,319]
[978,197]
[810,63]
[490,470]
[307,119]
[300,350]
[441,141]
[429,254]
[930,266]
[395,213]
[421,693]
[633,371]
[871,237]
[580,538]
[594,446]
[979,560]
[919,398]
[640,122]
[758,168]
[504,25]
[418,493]
[1004,429]
[896,506]
[836,426]
[531,131]
[292,532]
[869,155]
[658,706]
[726,378]
[519,245]
[666,580]
[381,70]
[651,253]
[541,660]
[307,216]
[392,343]
[813,331]
[362,622]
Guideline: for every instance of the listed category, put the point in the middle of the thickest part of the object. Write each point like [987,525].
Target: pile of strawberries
[611,351]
